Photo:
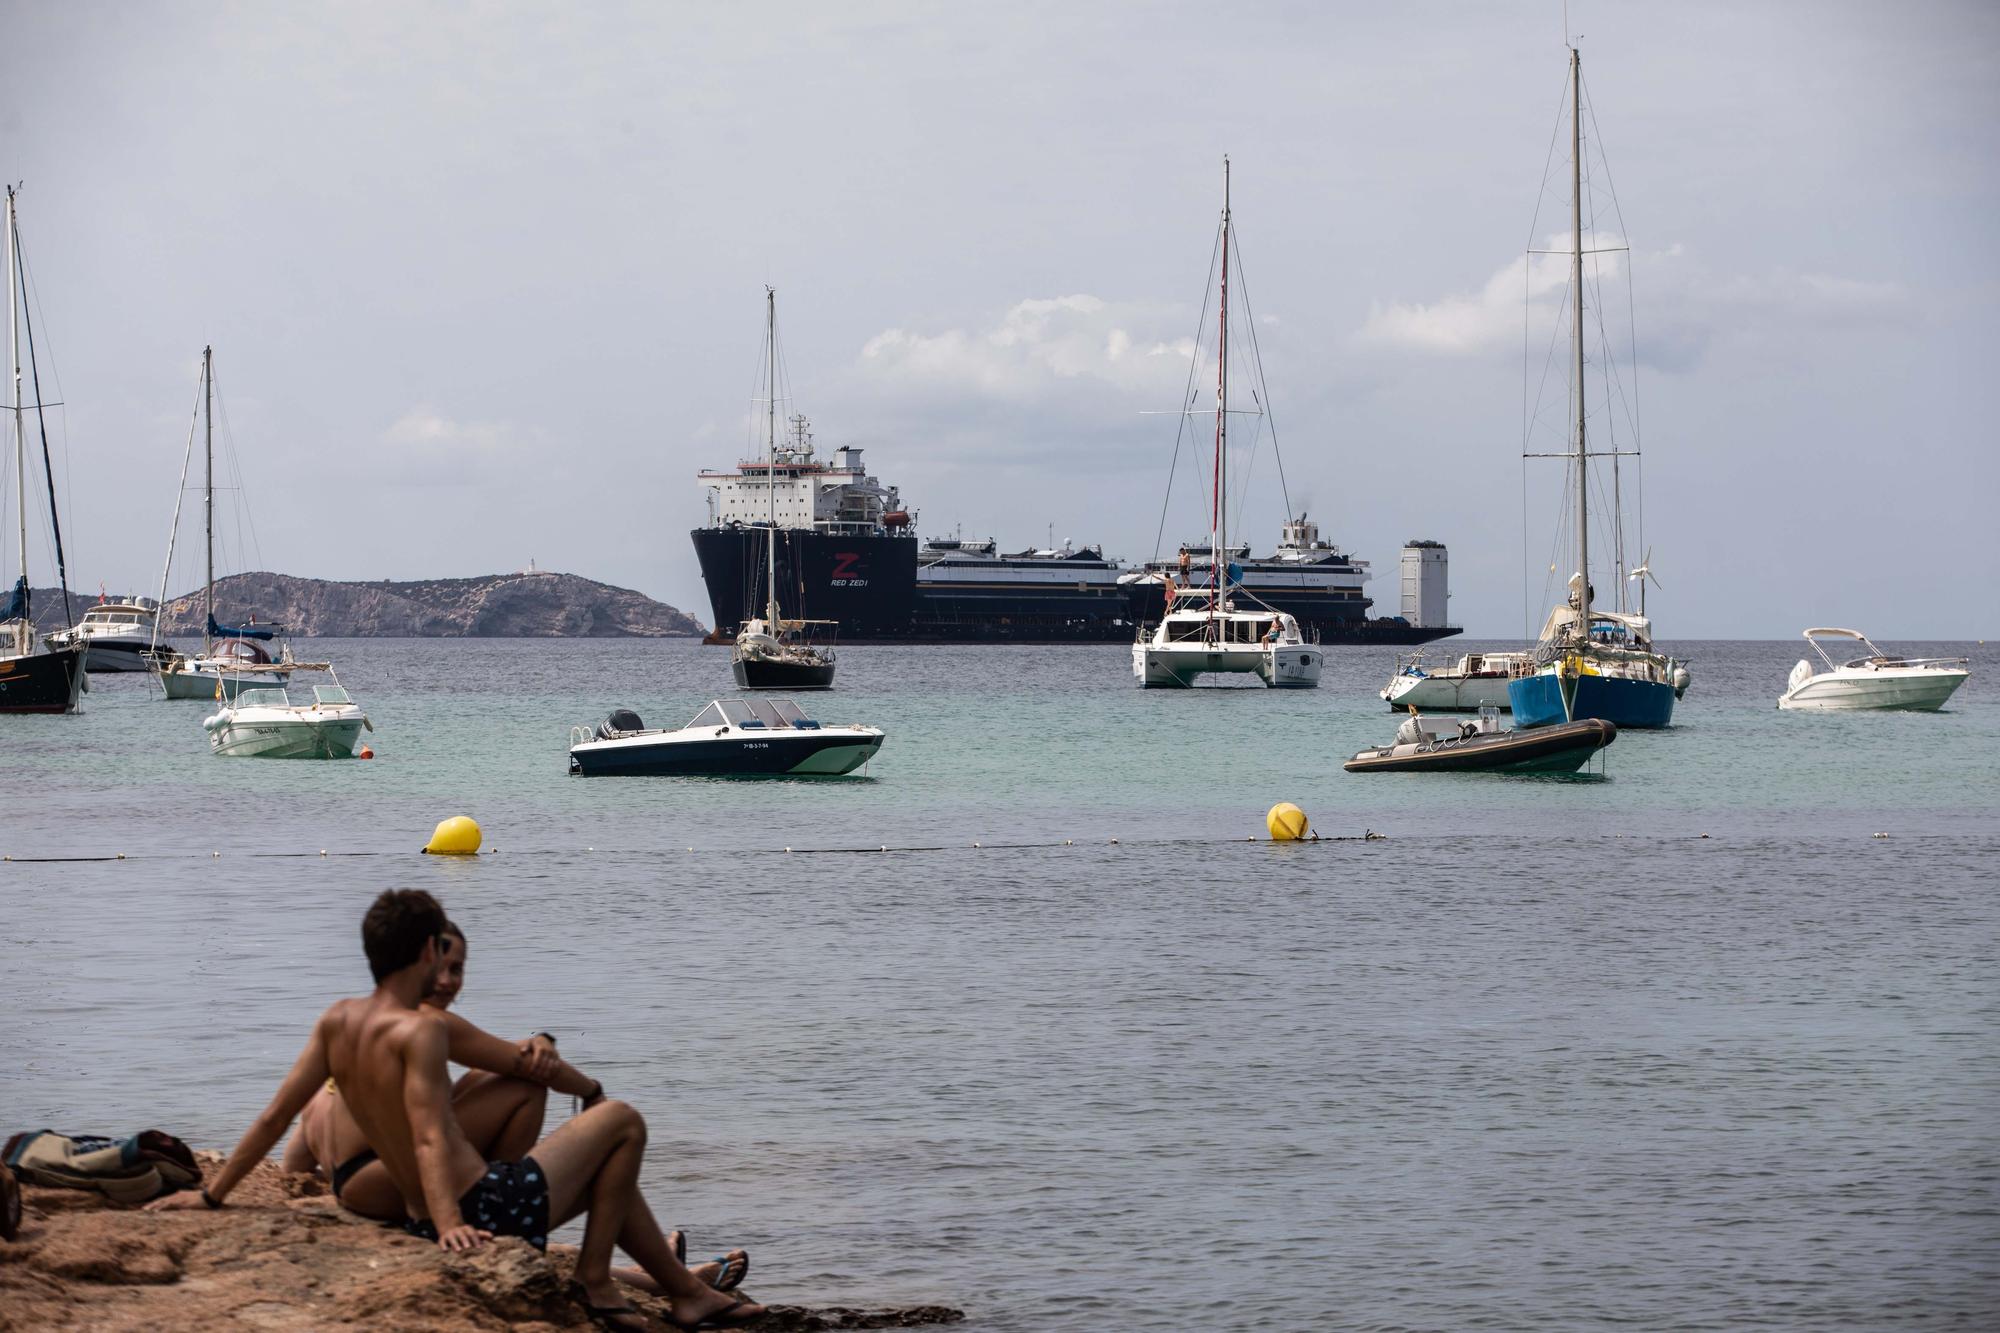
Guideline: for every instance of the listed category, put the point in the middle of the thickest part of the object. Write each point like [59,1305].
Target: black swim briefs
[511,1199]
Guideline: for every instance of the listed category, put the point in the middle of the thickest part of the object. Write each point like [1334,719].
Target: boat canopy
[1837,634]
[16,607]
[1562,623]
[216,631]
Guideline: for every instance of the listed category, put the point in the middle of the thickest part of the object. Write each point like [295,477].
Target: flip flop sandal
[730,1273]
[610,1316]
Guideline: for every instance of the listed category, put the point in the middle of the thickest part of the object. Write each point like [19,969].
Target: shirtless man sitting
[387,1055]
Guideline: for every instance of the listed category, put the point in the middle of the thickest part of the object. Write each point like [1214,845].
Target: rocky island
[534,604]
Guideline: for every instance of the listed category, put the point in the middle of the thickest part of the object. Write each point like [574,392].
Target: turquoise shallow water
[1544,1055]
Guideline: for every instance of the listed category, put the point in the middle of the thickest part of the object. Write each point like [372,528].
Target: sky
[485,282]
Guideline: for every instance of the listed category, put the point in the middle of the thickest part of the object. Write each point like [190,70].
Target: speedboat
[1482,746]
[1875,681]
[266,724]
[1475,681]
[115,636]
[729,738]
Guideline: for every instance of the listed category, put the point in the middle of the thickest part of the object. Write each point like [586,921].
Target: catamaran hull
[1539,700]
[49,682]
[1917,691]
[816,753]
[766,673]
[1563,748]
[1447,694]
[330,739]
[1283,668]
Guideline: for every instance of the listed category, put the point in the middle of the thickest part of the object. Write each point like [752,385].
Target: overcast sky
[485,282]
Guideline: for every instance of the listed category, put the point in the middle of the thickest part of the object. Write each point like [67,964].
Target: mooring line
[323,854]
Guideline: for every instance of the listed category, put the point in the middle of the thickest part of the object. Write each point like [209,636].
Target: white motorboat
[1203,634]
[266,724]
[1475,681]
[115,636]
[746,737]
[1210,625]
[1875,681]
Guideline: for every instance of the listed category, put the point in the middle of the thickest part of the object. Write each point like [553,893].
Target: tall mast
[1576,339]
[24,636]
[208,492]
[771,460]
[1218,528]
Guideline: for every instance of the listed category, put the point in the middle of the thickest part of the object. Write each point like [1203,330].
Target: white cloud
[1491,317]
[424,446]
[1684,307]
[1037,347]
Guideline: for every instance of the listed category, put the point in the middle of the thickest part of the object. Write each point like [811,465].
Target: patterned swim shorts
[511,1199]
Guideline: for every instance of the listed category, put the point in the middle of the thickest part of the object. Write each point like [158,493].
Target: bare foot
[714,1309]
[605,1302]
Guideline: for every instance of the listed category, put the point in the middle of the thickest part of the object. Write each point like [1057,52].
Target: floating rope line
[1368,836]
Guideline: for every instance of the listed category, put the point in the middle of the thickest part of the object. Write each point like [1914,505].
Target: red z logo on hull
[843,570]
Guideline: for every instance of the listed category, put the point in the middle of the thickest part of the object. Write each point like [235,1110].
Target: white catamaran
[1215,626]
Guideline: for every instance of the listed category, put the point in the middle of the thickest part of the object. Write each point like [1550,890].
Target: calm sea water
[1685,1044]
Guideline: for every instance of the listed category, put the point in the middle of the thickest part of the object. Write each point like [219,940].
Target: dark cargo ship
[847,551]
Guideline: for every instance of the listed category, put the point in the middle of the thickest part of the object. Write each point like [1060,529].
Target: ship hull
[870,586]
[47,682]
[1538,700]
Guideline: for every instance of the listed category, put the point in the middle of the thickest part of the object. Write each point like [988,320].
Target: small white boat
[729,738]
[1475,681]
[1875,681]
[266,724]
[115,636]
[226,669]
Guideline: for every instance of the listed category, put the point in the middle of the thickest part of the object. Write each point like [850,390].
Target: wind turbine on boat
[1643,574]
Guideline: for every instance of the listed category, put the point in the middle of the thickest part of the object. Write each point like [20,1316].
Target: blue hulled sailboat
[1591,663]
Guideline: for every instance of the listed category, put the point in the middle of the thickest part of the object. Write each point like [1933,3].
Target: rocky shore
[282,1255]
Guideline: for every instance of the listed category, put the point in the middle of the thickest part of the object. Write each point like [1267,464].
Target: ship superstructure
[847,550]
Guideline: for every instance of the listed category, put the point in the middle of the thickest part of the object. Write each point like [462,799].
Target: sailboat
[770,652]
[1214,625]
[1590,662]
[232,657]
[49,681]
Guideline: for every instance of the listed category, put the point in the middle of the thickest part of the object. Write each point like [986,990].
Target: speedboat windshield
[710,716]
[264,698]
[792,714]
[330,694]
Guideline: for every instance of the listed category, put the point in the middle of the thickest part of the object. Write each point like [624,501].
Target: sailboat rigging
[1204,628]
[1591,663]
[771,652]
[232,657]
[49,681]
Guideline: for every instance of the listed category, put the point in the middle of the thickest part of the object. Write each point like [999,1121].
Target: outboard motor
[620,721]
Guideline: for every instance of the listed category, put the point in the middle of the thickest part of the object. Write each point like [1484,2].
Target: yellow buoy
[1286,821]
[457,836]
